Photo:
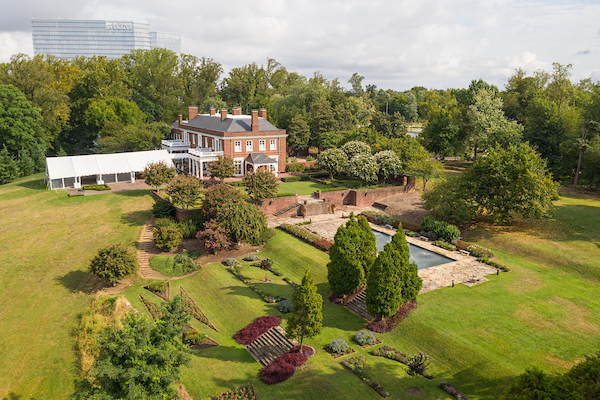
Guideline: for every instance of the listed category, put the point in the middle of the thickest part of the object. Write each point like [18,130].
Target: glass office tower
[69,38]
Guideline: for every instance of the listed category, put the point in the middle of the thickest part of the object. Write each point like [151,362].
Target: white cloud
[398,45]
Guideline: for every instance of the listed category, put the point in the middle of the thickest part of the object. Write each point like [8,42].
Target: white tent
[63,172]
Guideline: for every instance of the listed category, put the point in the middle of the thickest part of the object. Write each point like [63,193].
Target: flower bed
[153,309]
[366,339]
[308,236]
[194,309]
[256,328]
[245,392]
[357,365]
[390,323]
[155,288]
[391,353]
[266,297]
[338,348]
[284,366]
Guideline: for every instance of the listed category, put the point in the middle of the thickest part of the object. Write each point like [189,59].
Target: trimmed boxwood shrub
[338,346]
[365,337]
[96,187]
[294,167]
[284,194]
[256,328]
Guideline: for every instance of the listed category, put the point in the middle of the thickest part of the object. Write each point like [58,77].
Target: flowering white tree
[364,167]
[333,161]
[389,164]
[355,147]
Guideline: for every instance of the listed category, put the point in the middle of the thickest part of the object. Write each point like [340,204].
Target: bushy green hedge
[157,286]
[97,187]
[442,229]
[444,245]
[307,236]
[294,167]
[291,179]
[167,237]
[188,228]
[284,194]
[163,209]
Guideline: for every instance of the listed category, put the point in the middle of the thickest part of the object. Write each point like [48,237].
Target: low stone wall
[337,197]
[181,214]
[272,205]
[363,198]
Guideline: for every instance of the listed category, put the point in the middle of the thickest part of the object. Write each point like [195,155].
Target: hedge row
[307,236]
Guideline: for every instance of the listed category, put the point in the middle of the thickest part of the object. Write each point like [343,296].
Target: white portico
[198,160]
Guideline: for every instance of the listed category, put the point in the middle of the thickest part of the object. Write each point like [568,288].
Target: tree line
[94,104]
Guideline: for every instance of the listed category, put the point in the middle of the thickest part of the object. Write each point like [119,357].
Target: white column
[116,178]
[132,175]
[63,182]
[201,170]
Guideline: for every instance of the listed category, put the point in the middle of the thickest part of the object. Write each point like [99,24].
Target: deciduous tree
[260,184]
[19,121]
[222,168]
[113,262]
[158,173]
[333,161]
[364,167]
[185,190]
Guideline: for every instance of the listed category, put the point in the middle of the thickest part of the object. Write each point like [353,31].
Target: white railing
[174,145]
[204,153]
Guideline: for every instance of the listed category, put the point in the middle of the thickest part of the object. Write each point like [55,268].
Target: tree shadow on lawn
[133,193]
[471,382]
[227,353]
[79,281]
[336,315]
[136,218]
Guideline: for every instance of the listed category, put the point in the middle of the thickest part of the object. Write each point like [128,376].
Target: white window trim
[237,148]
[241,161]
[262,145]
[273,144]
[251,147]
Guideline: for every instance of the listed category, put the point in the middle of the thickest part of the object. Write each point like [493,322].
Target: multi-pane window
[262,145]
[249,145]
[237,145]
[237,165]
[273,145]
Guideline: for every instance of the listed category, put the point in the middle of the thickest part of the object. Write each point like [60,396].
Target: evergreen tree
[39,159]
[367,251]
[393,280]
[345,270]
[9,170]
[307,317]
[26,163]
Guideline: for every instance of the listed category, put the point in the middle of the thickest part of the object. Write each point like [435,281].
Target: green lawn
[546,313]
[301,187]
[46,242]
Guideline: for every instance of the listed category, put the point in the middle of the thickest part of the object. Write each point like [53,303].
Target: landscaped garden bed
[284,366]
[244,392]
[179,265]
[387,325]
[152,308]
[160,289]
[338,348]
[366,339]
[357,365]
[195,310]
[448,388]
[308,236]
[256,328]
[417,363]
[196,340]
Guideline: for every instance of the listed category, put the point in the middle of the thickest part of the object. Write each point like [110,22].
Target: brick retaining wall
[270,206]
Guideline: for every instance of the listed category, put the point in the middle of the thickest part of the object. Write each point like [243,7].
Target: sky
[394,44]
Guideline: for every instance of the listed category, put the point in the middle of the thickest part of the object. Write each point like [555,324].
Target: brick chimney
[254,120]
[212,111]
[236,110]
[263,113]
[223,114]
[180,120]
[192,112]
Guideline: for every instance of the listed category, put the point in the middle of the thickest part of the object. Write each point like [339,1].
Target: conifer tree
[307,317]
[393,280]
[38,157]
[367,251]
[9,169]
[26,163]
[345,270]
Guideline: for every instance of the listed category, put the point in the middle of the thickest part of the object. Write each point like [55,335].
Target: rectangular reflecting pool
[422,257]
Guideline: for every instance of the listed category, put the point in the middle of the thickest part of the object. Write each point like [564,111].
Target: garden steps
[270,345]
[359,307]
[287,208]
[144,252]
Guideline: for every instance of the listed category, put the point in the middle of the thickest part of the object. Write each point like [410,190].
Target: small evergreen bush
[250,257]
[163,209]
[192,336]
[285,306]
[310,158]
[113,262]
[365,337]
[338,346]
[442,229]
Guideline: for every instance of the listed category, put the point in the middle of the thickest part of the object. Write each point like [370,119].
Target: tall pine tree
[393,280]
[307,317]
[367,251]
[9,169]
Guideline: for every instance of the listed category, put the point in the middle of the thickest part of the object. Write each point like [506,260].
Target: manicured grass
[46,242]
[166,265]
[301,187]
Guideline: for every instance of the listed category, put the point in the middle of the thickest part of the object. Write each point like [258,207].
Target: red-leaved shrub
[323,244]
[390,323]
[462,245]
[256,328]
[284,366]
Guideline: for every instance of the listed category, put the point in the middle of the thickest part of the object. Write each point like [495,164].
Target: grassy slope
[46,240]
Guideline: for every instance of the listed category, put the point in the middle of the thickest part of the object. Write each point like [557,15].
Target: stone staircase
[144,252]
[380,206]
[270,345]
[358,307]
[286,209]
